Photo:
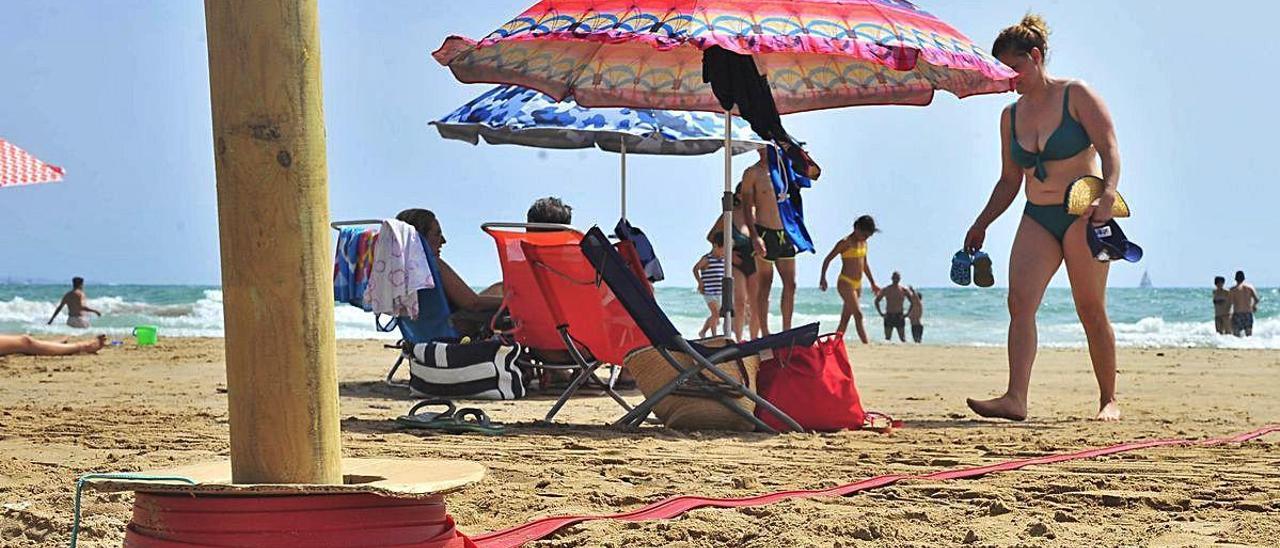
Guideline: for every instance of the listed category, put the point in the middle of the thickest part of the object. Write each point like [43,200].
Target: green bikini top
[1066,141]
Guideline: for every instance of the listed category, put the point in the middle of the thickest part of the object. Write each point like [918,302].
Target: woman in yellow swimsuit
[852,250]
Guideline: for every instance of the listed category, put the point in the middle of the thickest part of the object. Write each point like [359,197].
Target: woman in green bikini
[1058,130]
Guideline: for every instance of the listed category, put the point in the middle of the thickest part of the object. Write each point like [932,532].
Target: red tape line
[675,506]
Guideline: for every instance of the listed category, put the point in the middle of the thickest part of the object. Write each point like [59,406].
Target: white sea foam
[1158,318]
[1148,332]
[201,318]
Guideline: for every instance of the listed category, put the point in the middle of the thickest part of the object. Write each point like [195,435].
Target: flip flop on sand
[982,275]
[452,419]
[961,268]
[876,421]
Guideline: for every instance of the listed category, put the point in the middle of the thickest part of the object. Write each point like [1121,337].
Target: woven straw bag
[691,407]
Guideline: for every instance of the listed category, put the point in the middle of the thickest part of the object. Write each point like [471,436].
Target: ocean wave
[952,317]
[1149,332]
[1153,332]
[201,318]
[22,310]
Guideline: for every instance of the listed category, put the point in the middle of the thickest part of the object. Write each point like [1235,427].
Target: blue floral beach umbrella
[512,115]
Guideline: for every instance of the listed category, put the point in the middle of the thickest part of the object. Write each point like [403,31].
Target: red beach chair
[532,324]
[588,316]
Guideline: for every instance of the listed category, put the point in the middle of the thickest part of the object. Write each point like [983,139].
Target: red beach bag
[814,384]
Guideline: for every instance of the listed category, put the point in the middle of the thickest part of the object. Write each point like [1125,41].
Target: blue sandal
[982,274]
[961,268]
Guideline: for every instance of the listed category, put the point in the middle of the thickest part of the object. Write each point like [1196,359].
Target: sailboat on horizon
[1146,280]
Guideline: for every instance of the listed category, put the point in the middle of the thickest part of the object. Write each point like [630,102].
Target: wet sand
[131,409]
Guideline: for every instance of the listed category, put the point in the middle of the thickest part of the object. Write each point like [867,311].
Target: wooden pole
[273,206]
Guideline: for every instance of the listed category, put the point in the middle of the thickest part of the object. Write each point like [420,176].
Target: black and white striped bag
[482,370]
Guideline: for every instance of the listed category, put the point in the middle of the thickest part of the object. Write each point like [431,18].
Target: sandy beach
[131,409]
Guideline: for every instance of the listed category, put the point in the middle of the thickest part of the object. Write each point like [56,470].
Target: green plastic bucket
[146,335]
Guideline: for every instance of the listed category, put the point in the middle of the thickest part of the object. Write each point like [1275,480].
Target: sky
[117,93]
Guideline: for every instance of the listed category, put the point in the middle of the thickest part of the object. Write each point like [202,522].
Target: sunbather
[31,346]
[550,210]
[472,311]
[553,210]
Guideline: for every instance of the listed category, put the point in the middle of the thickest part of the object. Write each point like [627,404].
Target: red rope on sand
[355,520]
[676,506]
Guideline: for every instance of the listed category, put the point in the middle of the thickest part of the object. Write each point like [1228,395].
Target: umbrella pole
[273,212]
[726,206]
[623,141]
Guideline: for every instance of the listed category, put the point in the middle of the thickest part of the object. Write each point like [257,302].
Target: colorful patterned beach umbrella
[19,168]
[816,54]
[648,53]
[512,115]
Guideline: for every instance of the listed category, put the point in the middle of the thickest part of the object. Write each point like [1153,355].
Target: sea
[1142,317]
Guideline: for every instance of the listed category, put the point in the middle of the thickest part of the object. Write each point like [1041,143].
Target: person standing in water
[916,314]
[74,300]
[1057,131]
[852,250]
[895,317]
[1244,302]
[1221,306]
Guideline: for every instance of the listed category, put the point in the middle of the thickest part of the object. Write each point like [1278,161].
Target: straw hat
[1083,192]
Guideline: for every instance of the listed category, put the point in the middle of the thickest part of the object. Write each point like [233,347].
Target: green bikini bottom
[1053,218]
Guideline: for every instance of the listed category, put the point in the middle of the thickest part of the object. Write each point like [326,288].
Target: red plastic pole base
[319,520]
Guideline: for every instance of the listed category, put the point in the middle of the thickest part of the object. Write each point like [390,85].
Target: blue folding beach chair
[432,323]
[662,334]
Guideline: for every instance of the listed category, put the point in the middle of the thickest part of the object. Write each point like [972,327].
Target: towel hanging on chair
[400,269]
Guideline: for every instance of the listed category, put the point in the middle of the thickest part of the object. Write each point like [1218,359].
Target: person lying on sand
[31,346]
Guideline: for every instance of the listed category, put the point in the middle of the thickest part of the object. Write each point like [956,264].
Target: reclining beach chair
[432,323]
[531,322]
[546,345]
[587,316]
[658,329]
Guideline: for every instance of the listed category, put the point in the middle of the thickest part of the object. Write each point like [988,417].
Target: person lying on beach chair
[639,303]
[471,312]
[432,323]
[530,323]
[31,346]
[550,210]
[440,317]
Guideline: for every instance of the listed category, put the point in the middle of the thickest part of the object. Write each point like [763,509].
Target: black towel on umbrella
[735,80]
